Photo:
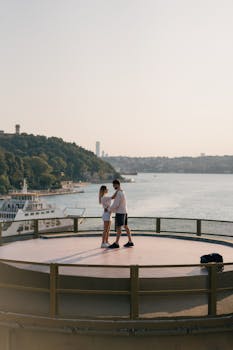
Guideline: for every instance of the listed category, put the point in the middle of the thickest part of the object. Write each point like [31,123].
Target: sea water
[204,196]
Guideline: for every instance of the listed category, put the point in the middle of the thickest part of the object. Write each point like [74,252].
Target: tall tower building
[97,148]
[17,129]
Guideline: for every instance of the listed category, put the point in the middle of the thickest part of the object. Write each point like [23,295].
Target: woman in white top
[106,203]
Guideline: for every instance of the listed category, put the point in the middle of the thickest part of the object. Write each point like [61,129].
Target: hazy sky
[144,77]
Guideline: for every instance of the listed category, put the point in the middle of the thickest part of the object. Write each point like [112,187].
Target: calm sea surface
[167,195]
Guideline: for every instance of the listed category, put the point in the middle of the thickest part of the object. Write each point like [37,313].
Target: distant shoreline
[57,193]
[184,165]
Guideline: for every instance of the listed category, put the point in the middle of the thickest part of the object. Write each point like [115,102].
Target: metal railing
[134,292]
[196,227]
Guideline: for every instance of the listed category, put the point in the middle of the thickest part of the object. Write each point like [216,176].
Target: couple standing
[120,209]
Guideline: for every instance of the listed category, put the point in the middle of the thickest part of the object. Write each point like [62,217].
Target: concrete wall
[23,331]
[21,339]
[74,305]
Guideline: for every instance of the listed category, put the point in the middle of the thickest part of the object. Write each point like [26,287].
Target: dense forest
[203,164]
[45,162]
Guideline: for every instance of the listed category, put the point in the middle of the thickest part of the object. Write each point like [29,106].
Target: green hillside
[45,162]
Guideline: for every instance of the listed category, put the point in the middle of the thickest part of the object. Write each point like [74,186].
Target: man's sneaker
[129,244]
[113,246]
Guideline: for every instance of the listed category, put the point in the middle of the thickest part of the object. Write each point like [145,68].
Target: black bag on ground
[214,257]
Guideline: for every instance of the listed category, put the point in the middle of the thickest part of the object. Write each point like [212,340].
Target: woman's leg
[106,231]
[103,234]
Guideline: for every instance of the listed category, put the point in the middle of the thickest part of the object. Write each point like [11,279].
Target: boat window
[47,211]
[26,214]
[32,213]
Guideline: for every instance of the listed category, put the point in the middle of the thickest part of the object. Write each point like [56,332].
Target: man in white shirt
[119,207]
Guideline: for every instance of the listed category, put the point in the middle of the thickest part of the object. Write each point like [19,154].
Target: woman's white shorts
[106,216]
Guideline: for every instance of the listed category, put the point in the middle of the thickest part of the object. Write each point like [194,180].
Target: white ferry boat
[19,210]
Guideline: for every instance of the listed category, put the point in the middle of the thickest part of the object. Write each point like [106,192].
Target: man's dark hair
[116,182]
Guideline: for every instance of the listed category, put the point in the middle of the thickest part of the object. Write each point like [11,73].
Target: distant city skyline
[99,152]
[145,78]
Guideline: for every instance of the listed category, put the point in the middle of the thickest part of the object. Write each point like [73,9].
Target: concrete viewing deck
[101,269]
[92,295]
[148,250]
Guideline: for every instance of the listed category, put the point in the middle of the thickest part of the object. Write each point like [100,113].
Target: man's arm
[116,202]
[114,194]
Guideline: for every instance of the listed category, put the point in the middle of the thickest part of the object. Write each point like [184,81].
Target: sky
[143,77]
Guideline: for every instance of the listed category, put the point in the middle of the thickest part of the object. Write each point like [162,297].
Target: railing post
[158,222]
[53,289]
[212,298]
[36,228]
[76,225]
[134,287]
[198,227]
[0,233]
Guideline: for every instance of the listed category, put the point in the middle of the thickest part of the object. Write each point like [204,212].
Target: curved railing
[54,289]
[190,226]
[214,286]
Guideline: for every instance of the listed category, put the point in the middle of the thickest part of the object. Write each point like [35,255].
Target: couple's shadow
[77,257]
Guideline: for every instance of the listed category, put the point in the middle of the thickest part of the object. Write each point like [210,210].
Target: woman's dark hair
[102,191]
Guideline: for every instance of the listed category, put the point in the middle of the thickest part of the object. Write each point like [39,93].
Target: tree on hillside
[45,162]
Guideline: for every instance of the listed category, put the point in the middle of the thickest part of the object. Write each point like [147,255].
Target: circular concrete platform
[148,250]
